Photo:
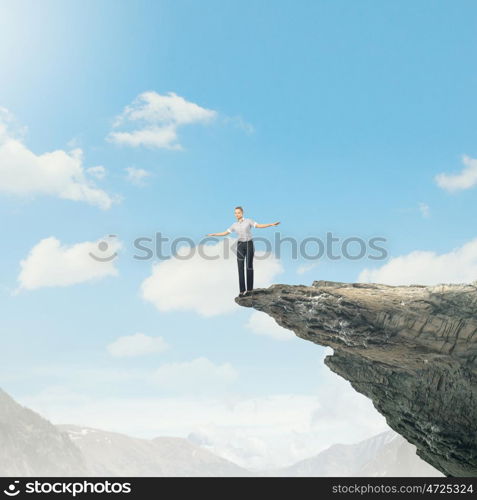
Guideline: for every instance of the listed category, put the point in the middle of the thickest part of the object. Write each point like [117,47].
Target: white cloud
[466,179]
[425,210]
[427,268]
[50,263]
[189,281]
[9,125]
[263,324]
[239,122]
[159,118]
[99,172]
[56,173]
[136,175]
[197,376]
[306,267]
[136,345]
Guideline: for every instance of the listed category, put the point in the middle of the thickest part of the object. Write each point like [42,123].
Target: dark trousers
[245,251]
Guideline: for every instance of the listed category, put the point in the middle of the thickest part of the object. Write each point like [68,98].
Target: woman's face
[238,213]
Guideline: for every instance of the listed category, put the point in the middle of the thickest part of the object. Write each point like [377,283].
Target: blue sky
[327,116]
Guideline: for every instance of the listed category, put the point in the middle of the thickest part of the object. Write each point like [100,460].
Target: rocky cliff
[411,349]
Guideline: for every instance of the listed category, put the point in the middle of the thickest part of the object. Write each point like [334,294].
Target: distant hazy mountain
[385,455]
[32,446]
[113,454]
[398,458]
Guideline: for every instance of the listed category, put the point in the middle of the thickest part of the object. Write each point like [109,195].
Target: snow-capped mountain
[114,454]
[32,446]
[386,455]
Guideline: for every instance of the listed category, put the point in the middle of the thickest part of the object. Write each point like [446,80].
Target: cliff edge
[411,349]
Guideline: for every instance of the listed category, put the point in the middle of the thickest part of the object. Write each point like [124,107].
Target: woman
[245,247]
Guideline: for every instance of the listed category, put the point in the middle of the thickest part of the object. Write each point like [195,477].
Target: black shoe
[241,294]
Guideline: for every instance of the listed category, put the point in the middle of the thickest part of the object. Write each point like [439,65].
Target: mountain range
[30,445]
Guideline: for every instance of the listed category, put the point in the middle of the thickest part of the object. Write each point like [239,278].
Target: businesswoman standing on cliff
[245,246]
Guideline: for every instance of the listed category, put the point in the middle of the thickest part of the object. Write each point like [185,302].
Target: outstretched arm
[267,225]
[225,233]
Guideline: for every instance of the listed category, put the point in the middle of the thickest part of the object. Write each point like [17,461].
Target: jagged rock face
[411,349]
[32,446]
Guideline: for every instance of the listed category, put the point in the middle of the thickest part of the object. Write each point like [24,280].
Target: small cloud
[427,268]
[239,122]
[54,173]
[74,142]
[466,179]
[10,126]
[51,264]
[424,209]
[263,324]
[137,175]
[306,267]
[198,375]
[204,279]
[99,172]
[159,118]
[136,345]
